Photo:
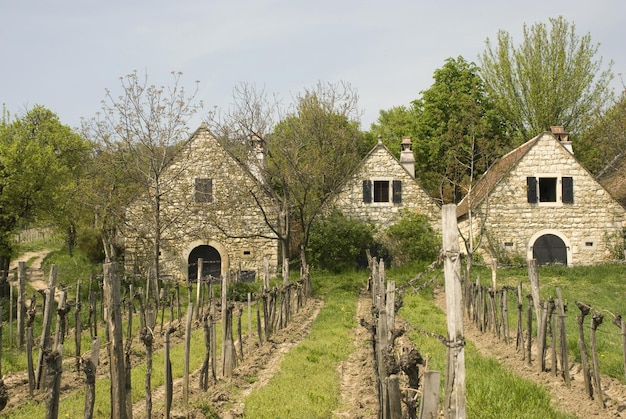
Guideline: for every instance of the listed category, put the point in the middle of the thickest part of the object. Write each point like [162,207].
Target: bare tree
[139,134]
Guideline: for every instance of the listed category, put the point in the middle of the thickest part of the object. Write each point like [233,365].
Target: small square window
[381,191]
[547,189]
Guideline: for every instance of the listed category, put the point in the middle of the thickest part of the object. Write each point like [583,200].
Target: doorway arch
[211,262]
[550,247]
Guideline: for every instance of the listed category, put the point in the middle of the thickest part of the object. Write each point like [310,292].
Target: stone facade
[539,202]
[209,210]
[381,187]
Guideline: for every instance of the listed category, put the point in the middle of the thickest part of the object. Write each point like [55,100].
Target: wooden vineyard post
[394,396]
[563,337]
[187,351]
[54,368]
[520,325]
[199,287]
[77,327]
[90,364]
[47,322]
[596,320]
[534,290]
[584,311]
[111,290]
[169,383]
[552,323]
[21,299]
[622,325]
[32,310]
[454,406]
[429,407]
[541,337]
[529,319]
[381,350]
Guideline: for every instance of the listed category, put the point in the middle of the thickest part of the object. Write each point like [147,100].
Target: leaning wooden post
[47,322]
[596,320]
[90,363]
[454,406]
[187,350]
[111,290]
[21,302]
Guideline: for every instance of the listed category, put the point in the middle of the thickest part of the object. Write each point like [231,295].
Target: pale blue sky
[63,54]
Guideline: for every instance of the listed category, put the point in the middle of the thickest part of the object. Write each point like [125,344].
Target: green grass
[307,384]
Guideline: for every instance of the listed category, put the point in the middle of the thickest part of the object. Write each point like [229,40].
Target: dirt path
[358,382]
[34,274]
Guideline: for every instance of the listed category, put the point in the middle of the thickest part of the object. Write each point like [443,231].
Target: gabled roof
[493,176]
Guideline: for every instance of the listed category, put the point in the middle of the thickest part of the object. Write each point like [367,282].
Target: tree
[313,150]
[40,162]
[138,134]
[551,78]
[453,124]
[602,147]
[309,149]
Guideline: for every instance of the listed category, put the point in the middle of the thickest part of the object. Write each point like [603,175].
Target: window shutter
[568,189]
[367,191]
[531,189]
[397,191]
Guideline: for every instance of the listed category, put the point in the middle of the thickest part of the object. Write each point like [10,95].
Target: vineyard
[191,377]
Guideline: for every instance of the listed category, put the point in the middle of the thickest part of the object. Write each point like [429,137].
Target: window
[546,189]
[204,190]
[382,191]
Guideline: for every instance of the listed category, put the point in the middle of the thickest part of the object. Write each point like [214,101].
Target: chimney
[407,160]
[256,158]
[559,132]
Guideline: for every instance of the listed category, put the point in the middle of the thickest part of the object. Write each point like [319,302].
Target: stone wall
[588,226]
[232,222]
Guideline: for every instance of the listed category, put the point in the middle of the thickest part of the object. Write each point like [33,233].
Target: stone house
[381,186]
[539,202]
[210,210]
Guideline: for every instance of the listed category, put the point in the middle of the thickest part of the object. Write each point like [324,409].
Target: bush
[411,239]
[338,243]
[89,242]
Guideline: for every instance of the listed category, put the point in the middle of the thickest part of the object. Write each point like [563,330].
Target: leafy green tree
[412,239]
[551,78]
[454,128]
[313,150]
[338,243]
[41,161]
[602,147]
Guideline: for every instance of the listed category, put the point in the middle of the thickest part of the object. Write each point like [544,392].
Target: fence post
[596,320]
[47,322]
[430,395]
[21,307]
[563,337]
[584,311]
[198,287]
[111,289]
[455,375]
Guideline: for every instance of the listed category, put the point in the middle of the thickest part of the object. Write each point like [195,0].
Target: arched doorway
[549,249]
[211,261]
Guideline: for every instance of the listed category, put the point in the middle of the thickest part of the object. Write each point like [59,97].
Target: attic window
[203,190]
[545,189]
[382,191]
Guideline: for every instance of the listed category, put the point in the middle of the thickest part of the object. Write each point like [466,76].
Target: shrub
[338,243]
[411,239]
